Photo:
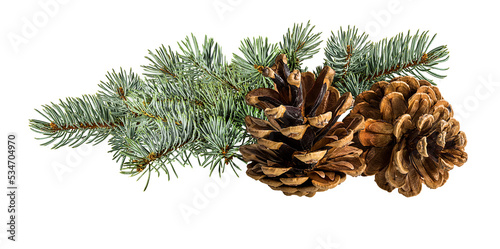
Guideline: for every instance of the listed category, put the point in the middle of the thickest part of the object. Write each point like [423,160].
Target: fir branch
[164,62]
[168,78]
[151,107]
[299,44]
[219,146]
[122,87]
[153,146]
[207,61]
[353,83]
[75,121]
[353,56]
[116,89]
[345,52]
[172,91]
[405,55]
[120,84]
[257,53]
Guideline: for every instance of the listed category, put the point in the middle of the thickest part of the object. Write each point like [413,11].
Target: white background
[73,198]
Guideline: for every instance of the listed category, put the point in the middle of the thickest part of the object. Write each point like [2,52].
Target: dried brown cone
[410,135]
[301,149]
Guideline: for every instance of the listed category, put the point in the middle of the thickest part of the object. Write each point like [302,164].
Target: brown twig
[398,67]
[300,46]
[224,152]
[153,156]
[164,70]
[346,66]
[55,127]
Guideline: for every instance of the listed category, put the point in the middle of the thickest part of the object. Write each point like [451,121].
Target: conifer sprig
[300,43]
[359,62]
[75,121]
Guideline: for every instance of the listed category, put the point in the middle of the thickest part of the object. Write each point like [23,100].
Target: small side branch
[75,121]
[398,68]
[142,163]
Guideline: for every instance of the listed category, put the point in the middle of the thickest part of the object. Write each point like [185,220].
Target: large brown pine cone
[301,149]
[410,135]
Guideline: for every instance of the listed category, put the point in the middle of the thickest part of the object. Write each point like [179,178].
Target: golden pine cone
[410,135]
[301,149]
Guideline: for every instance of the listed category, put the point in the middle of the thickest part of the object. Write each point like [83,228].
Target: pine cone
[301,149]
[410,135]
